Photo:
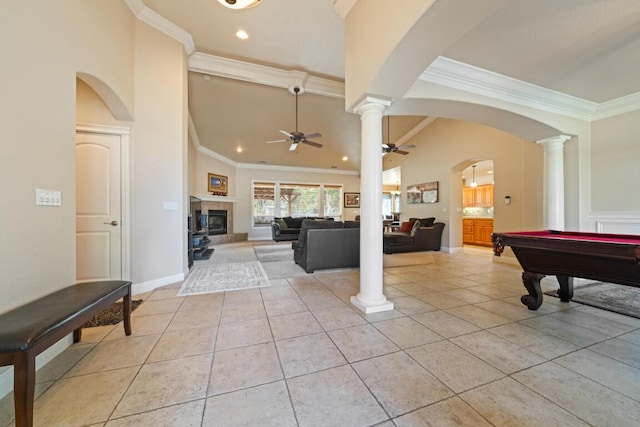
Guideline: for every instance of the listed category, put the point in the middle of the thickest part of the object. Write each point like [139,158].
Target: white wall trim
[254,73]
[296,169]
[617,106]
[458,75]
[141,288]
[125,186]
[615,222]
[162,24]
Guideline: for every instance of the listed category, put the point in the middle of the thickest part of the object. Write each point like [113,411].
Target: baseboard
[141,288]
[6,378]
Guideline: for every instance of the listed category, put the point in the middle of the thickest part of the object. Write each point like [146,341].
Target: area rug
[273,253]
[110,315]
[233,276]
[608,296]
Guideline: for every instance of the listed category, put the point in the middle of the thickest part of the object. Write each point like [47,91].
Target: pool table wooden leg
[532,283]
[566,288]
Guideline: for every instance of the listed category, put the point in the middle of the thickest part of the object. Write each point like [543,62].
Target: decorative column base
[369,307]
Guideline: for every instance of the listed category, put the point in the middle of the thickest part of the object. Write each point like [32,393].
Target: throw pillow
[406,226]
[415,228]
[427,222]
[283,225]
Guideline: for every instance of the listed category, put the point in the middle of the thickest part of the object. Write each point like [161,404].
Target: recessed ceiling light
[239,4]
[239,149]
[242,35]
[207,77]
[345,158]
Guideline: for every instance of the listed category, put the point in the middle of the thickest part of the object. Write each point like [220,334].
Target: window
[263,203]
[387,204]
[332,198]
[299,200]
[296,200]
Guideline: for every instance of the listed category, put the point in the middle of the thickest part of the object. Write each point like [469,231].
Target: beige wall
[159,156]
[445,148]
[44,45]
[614,164]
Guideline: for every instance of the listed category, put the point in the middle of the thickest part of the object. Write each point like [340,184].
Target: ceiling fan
[393,148]
[297,137]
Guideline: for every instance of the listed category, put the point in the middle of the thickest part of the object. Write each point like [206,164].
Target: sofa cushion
[310,223]
[281,222]
[427,222]
[415,228]
[406,226]
[293,222]
[352,224]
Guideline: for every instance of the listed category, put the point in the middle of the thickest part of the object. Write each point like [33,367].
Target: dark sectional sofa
[287,228]
[327,244]
[425,235]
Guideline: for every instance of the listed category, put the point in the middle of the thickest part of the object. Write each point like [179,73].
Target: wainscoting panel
[615,222]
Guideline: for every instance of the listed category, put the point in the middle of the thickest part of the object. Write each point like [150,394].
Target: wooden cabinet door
[467,231]
[468,197]
[478,198]
[488,195]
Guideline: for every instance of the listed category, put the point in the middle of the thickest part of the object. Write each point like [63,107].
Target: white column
[370,299]
[554,181]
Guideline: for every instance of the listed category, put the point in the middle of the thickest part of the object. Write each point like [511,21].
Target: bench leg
[24,385]
[126,312]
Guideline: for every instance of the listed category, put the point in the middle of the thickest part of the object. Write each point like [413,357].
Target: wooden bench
[28,330]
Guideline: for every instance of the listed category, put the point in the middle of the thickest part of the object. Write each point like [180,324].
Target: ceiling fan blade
[286,133]
[293,146]
[401,152]
[277,140]
[385,147]
[406,147]
[313,143]
[313,135]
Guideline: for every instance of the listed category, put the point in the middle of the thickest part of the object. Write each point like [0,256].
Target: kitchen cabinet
[477,231]
[468,197]
[480,196]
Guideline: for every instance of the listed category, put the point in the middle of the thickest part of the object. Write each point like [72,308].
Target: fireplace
[217,222]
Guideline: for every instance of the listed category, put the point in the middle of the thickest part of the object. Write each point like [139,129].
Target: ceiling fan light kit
[392,148]
[296,136]
[239,4]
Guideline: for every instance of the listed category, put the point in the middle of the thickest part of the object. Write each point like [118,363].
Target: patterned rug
[208,278]
[608,296]
[110,315]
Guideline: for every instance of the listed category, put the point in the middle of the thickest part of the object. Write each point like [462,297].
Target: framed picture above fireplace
[217,184]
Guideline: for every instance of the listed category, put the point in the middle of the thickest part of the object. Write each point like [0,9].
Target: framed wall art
[351,200]
[217,184]
[423,193]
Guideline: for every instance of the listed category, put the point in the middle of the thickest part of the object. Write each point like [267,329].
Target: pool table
[613,258]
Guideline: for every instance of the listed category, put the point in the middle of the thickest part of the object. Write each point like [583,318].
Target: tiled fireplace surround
[231,236]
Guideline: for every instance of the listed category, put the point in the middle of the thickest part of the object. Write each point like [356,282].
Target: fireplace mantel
[211,198]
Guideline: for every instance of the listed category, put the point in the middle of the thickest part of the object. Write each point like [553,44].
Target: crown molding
[261,74]
[624,104]
[458,75]
[162,24]
[295,169]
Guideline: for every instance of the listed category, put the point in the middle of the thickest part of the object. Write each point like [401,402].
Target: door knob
[113,223]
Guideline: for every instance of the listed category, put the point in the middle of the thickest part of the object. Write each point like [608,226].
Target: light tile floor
[459,349]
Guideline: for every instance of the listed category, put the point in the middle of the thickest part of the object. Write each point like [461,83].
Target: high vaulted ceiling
[583,49]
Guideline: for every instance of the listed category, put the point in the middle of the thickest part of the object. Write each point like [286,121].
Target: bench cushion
[23,326]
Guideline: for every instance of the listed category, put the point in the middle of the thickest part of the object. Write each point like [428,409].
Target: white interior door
[98,207]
